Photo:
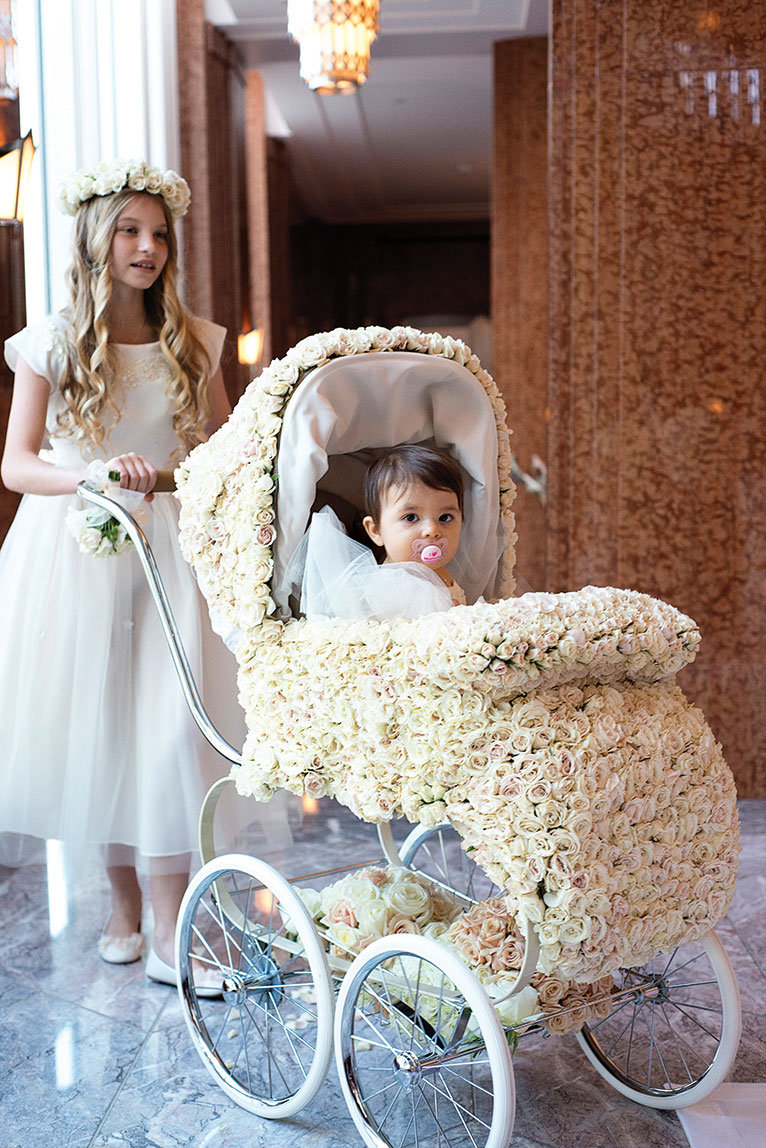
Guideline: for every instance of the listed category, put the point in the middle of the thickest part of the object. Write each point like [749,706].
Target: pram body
[547,731]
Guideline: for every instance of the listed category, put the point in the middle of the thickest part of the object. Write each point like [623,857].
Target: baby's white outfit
[337,577]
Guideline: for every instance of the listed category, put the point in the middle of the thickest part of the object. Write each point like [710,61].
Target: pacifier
[429,552]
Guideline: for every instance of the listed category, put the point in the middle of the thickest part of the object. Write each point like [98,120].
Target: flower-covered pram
[547,729]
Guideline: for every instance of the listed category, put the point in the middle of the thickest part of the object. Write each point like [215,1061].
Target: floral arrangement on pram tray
[547,730]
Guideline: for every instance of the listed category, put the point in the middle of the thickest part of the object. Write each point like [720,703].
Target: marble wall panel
[519,264]
[658,330]
[13,317]
[212,161]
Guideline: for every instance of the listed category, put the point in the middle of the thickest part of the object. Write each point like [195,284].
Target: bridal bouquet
[97,531]
[378,902]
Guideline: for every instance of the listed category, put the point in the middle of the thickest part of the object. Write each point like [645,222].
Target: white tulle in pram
[337,577]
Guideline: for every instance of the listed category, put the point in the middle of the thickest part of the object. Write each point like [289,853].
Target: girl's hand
[136,473]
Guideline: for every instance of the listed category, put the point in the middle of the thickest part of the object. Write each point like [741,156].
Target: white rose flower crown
[548,729]
[109,177]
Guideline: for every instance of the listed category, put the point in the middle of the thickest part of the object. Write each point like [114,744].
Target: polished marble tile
[94,1055]
[747,915]
[579,1115]
[60,1067]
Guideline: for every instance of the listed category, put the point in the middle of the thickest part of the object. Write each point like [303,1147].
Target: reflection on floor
[94,1055]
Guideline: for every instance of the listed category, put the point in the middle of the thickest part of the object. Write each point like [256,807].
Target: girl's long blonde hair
[90,367]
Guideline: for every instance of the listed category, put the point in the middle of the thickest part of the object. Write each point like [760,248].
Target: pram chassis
[256,969]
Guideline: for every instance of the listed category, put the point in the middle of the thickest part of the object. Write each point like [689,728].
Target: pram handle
[167,620]
[166,482]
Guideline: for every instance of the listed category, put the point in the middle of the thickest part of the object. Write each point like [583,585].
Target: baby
[414,505]
[414,501]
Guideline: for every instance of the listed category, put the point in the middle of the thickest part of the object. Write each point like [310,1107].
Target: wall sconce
[250,346]
[15,168]
[335,38]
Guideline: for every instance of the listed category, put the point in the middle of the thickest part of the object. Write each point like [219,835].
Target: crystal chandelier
[334,38]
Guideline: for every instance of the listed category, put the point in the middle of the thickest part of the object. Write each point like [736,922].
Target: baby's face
[418,524]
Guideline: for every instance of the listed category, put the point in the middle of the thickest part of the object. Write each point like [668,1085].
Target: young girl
[414,503]
[97,744]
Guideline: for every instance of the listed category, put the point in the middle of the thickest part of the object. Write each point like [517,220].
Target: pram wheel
[421,1053]
[437,854]
[673,1039]
[267,1038]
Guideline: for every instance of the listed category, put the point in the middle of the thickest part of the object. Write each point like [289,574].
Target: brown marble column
[268,224]
[657,332]
[257,183]
[12,319]
[211,160]
[519,267]
[12,307]
[195,154]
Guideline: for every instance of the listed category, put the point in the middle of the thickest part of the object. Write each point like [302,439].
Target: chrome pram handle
[167,620]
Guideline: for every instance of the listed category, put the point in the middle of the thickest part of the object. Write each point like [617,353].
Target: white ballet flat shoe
[207,984]
[120,950]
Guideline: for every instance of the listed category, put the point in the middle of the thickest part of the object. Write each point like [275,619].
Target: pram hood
[307,428]
[348,409]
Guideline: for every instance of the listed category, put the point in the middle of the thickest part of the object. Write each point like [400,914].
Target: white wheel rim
[693,1083]
[499,1132]
[270,1068]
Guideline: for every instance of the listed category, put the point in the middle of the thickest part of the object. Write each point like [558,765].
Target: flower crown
[118,174]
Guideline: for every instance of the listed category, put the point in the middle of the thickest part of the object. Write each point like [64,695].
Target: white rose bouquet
[373,903]
[96,531]
[378,902]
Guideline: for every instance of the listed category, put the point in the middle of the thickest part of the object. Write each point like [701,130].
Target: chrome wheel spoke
[411,1086]
[676,1027]
[266,1036]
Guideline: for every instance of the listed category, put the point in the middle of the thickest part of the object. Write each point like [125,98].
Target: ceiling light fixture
[334,38]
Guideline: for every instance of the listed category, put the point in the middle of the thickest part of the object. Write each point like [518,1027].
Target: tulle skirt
[98,745]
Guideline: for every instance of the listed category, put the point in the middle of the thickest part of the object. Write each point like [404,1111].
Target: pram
[575,832]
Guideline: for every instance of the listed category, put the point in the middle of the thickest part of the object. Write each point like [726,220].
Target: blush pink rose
[343,913]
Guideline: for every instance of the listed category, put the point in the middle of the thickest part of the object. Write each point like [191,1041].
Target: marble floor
[95,1056]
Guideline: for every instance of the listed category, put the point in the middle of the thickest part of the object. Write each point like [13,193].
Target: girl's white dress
[97,743]
[334,576]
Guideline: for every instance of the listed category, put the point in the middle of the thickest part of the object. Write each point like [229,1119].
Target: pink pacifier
[429,552]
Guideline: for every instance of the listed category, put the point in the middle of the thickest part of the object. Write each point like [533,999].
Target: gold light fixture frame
[335,37]
[15,168]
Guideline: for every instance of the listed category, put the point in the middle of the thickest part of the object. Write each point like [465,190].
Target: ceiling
[414,143]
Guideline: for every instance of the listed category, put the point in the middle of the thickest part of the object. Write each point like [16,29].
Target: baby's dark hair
[404,465]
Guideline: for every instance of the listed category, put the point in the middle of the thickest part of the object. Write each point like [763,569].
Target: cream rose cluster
[547,729]
[605,810]
[380,902]
[488,940]
[109,177]
[377,902]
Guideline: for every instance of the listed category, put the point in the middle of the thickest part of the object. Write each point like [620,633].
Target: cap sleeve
[212,336]
[43,346]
